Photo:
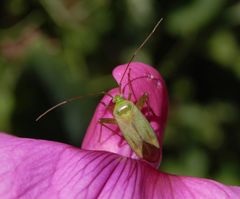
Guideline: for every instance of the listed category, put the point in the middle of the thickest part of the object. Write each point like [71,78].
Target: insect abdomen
[136,129]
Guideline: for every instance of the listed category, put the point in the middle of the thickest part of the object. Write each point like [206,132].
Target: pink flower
[143,78]
[105,167]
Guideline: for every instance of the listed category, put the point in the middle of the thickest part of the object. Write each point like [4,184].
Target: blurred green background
[53,50]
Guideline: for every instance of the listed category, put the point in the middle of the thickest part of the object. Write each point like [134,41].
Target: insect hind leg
[103,122]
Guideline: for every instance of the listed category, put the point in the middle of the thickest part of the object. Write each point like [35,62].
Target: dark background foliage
[52,50]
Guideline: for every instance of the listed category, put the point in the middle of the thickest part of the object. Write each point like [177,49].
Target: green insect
[134,126]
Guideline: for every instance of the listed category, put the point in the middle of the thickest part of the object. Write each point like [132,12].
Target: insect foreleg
[142,100]
[129,96]
[108,107]
[107,120]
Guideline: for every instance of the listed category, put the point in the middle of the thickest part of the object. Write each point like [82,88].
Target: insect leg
[149,108]
[129,96]
[108,107]
[142,100]
[107,120]
[104,121]
[130,87]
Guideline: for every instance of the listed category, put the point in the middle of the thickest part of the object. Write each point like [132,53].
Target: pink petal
[180,187]
[143,78]
[43,169]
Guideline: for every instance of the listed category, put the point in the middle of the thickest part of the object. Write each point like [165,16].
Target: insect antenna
[67,101]
[137,50]
[103,92]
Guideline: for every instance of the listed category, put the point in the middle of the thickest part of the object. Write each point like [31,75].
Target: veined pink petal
[181,187]
[42,169]
[139,78]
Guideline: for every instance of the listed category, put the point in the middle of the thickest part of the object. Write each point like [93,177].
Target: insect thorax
[123,109]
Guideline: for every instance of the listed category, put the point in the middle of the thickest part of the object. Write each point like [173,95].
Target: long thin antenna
[139,48]
[67,101]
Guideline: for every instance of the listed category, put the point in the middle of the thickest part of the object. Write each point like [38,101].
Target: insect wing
[131,135]
[144,128]
[138,133]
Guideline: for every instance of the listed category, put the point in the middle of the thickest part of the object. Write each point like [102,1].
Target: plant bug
[134,126]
